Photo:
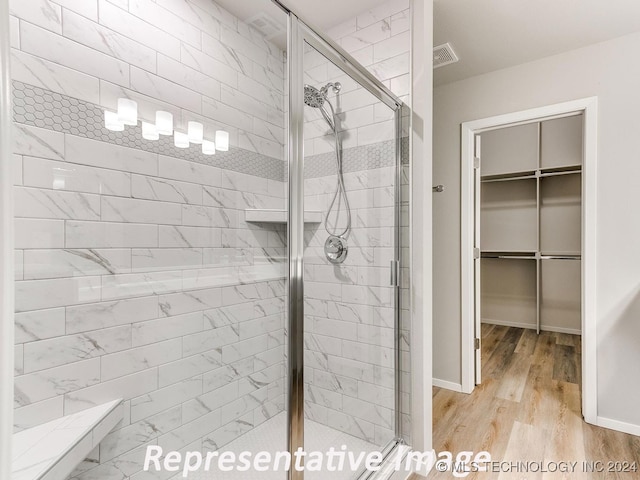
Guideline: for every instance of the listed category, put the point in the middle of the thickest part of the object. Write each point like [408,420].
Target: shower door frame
[300,33]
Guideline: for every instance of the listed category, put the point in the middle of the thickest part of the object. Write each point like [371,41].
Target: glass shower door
[350,199]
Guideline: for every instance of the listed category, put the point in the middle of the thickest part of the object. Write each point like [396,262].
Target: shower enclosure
[226,263]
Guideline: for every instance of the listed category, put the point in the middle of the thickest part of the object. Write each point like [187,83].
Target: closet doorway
[528,231]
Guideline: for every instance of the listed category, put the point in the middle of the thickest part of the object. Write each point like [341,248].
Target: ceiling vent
[443,55]
[266,25]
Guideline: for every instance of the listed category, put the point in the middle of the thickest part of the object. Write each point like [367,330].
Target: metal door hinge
[476,253]
[477,344]
[476,162]
[395,273]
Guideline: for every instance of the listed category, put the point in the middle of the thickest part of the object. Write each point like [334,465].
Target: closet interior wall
[530,225]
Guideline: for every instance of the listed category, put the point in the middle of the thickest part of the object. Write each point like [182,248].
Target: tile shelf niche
[53,450]
[278,216]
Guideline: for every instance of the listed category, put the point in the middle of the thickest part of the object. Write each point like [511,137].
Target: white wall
[609,70]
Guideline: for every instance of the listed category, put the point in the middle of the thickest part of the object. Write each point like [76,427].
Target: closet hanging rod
[560,257]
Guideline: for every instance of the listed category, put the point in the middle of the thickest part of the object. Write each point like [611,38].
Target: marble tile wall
[137,276]
[349,339]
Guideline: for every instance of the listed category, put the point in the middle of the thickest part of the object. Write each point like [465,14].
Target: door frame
[589,108]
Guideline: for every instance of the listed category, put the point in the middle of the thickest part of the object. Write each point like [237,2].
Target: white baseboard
[618,426]
[530,326]
[456,387]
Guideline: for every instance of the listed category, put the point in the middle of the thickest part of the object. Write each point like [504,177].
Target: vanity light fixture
[111,122]
[164,122]
[195,130]
[127,111]
[180,140]
[222,140]
[149,131]
[208,147]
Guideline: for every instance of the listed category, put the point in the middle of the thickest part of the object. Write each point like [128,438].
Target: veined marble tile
[39,325]
[323,291]
[18,273]
[186,171]
[337,383]
[326,398]
[137,29]
[190,301]
[154,402]
[154,331]
[217,110]
[14,31]
[373,276]
[377,296]
[151,188]
[39,264]
[210,277]
[51,76]
[92,34]
[41,294]
[18,360]
[342,29]
[188,77]
[391,67]
[209,66]
[107,155]
[17,169]
[369,35]
[322,343]
[268,358]
[217,11]
[188,237]
[261,379]
[95,316]
[351,425]
[381,11]
[209,402]
[244,349]
[258,38]
[371,354]
[376,132]
[225,53]
[37,413]
[369,392]
[189,367]
[64,176]
[140,284]
[208,340]
[400,22]
[62,51]
[244,404]
[34,387]
[229,432]
[58,351]
[124,387]
[189,432]
[109,235]
[370,412]
[141,358]
[260,326]
[40,12]
[136,434]
[170,92]
[223,316]
[87,8]
[169,22]
[38,142]
[119,209]
[219,377]
[34,202]
[373,237]
[162,259]
[244,46]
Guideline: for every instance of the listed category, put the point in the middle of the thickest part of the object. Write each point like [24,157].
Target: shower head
[313,97]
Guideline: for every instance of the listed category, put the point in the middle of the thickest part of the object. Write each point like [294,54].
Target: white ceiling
[489,35]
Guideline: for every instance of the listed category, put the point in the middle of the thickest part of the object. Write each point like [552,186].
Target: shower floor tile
[271,436]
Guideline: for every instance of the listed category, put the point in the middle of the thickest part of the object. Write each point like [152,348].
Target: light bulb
[127,111]
[149,131]
[208,147]
[181,140]
[222,140]
[164,122]
[195,130]
[111,122]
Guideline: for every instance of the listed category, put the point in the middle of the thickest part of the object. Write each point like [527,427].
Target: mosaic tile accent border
[46,109]
[355,159]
